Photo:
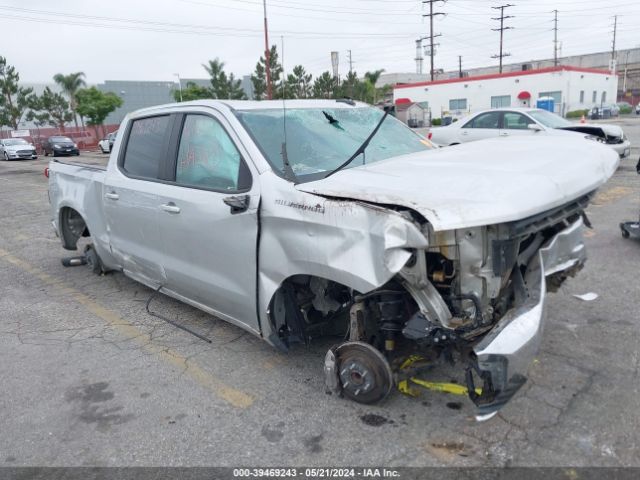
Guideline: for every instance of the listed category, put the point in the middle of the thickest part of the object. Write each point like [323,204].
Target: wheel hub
[364,373]
[356,377]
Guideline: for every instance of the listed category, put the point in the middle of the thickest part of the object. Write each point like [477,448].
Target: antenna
[284,106]
[288,171]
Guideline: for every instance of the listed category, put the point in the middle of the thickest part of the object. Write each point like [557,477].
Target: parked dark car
[59,145]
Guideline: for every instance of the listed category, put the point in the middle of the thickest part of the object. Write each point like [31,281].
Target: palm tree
[372,78]
[70,84]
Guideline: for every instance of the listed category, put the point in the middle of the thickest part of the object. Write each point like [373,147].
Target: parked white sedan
[506,122]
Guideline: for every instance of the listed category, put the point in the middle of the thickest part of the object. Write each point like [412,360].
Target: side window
[146,146]
[207,157]
[515,121]
[485,120]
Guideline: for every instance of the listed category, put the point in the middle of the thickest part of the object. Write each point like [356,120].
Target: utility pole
[350,62]
[431,36]
[613,46]
[459,66]
[555,38]
[502,28]
[266,52]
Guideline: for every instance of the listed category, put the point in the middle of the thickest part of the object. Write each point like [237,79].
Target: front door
[516,124]
[131,201]
[209,224]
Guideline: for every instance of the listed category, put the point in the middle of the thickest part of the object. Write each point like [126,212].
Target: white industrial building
[572,88]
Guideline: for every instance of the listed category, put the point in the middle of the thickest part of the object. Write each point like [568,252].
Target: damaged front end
[476,294]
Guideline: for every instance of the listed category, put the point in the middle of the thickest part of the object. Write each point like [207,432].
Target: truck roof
[258,105]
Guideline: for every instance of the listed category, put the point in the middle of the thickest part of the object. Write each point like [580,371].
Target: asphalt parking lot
[89,378]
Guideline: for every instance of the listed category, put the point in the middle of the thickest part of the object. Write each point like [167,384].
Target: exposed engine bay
[440,305]
[602,134]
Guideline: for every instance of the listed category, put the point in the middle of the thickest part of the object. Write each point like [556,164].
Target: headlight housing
[55,145]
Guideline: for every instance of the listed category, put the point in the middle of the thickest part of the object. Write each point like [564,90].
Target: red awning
[403,101]
[524,95]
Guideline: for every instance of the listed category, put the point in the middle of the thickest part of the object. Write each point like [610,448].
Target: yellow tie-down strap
[406,387]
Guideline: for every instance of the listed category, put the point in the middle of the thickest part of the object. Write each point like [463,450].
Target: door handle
[504,134]
[112,196]
[170,207]
[464,132]
[238,203]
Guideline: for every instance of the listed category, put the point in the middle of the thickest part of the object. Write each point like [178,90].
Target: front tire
[6,156]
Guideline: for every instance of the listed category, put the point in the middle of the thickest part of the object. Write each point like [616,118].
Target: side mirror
[535,127]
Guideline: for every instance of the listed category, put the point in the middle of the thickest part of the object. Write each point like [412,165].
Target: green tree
[14,99]
[223,86]
[192,92]
[350,86]
[96,105]
[299,84]
[259,78]
[324,86]
[236,92]
[50,108]
[70,84]
[372,78]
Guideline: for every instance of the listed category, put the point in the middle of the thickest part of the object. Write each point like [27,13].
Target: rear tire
[93,260]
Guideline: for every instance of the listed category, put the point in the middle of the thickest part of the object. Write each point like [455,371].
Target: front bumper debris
[503,356]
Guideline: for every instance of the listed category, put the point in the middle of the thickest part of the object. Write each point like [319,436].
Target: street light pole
[179,85]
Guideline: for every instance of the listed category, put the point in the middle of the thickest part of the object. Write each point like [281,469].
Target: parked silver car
[331,217]
[17,148]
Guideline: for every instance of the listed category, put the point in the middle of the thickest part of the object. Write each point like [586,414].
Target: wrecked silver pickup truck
[332,217]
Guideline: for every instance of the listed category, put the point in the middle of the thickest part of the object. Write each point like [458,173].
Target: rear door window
[147,146]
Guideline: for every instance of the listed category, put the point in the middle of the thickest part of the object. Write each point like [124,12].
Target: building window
[581,96]
[604,97]
[458,104]
[501,101]
[594,99]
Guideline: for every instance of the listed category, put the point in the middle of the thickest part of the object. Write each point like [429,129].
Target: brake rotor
[364,373]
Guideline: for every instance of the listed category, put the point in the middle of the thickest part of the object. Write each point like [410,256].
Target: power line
[165,27]
[502,28]
[431,36]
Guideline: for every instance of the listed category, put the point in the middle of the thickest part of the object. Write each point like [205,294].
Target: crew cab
[329,216]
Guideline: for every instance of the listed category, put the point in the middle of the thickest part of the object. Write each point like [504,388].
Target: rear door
[131,200]
[516,124]
[484,125]
[208,219]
